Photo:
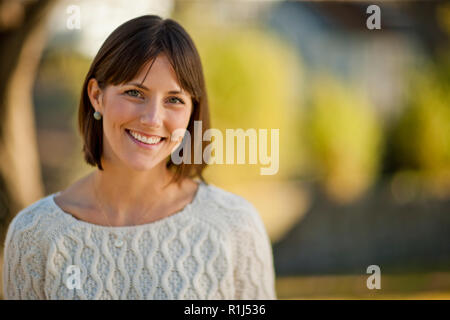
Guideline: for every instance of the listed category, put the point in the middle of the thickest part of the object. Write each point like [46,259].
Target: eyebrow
[145,88]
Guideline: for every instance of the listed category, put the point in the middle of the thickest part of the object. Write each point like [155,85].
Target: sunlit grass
[414,286]
[416,296]
[434,286]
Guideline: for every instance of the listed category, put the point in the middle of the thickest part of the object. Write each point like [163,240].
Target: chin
[140,164]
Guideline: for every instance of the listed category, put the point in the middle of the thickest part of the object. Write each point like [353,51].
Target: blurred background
[364,120]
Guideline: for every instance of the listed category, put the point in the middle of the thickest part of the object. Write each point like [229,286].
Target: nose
[151,115]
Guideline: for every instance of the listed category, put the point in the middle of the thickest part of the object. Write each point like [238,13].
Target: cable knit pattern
[214,248]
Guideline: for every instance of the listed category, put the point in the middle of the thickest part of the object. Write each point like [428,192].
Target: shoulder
[241,224]
[230,210]
[33,223]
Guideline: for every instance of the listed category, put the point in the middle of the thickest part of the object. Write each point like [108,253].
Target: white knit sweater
[214,248]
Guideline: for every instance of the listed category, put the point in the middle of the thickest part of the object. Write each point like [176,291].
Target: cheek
[178,119]
[174,122]
[120,112]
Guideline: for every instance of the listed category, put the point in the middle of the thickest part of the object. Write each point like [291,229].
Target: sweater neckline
[187,208]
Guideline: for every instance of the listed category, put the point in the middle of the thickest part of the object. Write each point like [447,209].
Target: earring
[97,115]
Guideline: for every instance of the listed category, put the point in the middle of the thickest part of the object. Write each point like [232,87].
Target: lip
[144,134]
[144,145]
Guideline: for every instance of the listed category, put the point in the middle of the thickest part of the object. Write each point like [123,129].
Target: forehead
[158,72]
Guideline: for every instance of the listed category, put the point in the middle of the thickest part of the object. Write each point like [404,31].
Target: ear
[95,94]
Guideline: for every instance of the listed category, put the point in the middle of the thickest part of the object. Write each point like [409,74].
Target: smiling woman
[140,226]
[158,61]
[139,116]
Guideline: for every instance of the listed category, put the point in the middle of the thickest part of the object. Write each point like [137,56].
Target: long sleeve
[254,272]
[23,261]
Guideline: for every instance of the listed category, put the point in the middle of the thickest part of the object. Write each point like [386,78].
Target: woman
[140,226]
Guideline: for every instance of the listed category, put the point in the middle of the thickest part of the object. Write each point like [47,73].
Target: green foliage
[343,137]
[58,87]
[65,68]
[252,82]
[56,98]
[421,136]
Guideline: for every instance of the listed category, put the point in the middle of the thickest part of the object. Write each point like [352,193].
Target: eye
[134,93]
[175,100]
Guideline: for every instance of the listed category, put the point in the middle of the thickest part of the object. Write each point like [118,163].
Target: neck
[125,195]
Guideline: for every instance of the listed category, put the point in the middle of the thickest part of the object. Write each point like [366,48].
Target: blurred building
[333,37]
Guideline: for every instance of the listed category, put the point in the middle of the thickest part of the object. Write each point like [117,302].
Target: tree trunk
[22,39]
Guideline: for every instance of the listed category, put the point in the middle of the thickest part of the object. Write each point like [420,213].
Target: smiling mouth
[146,140]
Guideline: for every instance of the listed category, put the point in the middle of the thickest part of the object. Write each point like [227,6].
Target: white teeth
[147,140]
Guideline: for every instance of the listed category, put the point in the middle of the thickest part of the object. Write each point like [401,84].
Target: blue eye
[175,100]
[134,93]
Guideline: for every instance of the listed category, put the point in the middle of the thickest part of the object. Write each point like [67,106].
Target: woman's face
[140,116]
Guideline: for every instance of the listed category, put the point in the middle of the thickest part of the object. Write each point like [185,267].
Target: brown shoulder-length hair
[122,56]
